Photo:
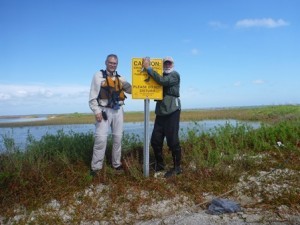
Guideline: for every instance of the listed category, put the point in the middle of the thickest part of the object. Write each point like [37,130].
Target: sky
[231,53]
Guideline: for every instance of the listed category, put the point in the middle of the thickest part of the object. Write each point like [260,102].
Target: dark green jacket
[171,86]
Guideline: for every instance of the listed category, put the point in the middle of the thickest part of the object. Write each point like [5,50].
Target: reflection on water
[20,134]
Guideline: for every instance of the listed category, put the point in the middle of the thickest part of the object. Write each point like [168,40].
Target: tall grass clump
[224,152]
[39,172]
[212,147]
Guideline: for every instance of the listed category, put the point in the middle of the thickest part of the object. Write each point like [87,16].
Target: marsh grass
[57,166]
[270,114]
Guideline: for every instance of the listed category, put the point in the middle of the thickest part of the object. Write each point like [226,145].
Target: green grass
[56,167]
[268,114]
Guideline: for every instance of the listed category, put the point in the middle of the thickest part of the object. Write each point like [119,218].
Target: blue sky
[228,53]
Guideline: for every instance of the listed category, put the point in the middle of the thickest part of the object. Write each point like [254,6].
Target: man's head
[168,64]
[111,63]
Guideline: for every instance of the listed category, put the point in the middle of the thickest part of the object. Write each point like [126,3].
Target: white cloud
[265,22]
[258,82]
[237,84]
[195,51]
[23,92]
[217,24]
[4,96]
[188,94]
[192,90]
[46,92]
[20,99]
[187,41]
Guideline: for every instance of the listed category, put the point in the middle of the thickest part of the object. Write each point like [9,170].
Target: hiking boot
[173,172]
[119,169]
[159,167]
[93,173]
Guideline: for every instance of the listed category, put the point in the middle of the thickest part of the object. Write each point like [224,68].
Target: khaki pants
[115,119]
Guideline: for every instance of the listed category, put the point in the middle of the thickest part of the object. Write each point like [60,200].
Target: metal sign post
[146,137]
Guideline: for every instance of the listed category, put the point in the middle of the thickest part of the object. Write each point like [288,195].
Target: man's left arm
[126,85]
[168,80]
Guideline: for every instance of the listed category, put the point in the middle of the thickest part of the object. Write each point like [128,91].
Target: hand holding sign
[146,62]
[146,65]
[147,58]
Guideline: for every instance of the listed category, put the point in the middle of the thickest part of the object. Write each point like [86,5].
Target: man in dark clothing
[167,118]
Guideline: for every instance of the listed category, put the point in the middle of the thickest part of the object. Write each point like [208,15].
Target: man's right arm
[94,92]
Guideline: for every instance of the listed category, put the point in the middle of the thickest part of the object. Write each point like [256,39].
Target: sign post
[144,87]
[146,137]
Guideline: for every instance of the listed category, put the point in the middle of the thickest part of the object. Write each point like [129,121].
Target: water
[20,134]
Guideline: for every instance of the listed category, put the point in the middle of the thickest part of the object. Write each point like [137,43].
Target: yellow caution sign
[144,86]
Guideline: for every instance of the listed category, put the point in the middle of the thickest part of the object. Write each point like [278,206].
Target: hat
[168,58]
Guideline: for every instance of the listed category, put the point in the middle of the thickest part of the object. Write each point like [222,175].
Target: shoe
[173,172]
[159,167]
[93,173]
[119,169]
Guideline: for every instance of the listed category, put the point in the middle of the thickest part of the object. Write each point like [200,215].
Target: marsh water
[20,134]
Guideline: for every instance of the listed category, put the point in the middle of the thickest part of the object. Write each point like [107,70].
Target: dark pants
[167,127]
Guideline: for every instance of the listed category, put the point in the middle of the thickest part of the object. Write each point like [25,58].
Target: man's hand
[99,117]
[146,62]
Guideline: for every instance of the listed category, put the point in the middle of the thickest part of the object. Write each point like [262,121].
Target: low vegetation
[57,166]
[264,114]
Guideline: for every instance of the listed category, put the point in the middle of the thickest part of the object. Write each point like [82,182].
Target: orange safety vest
[112,90]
